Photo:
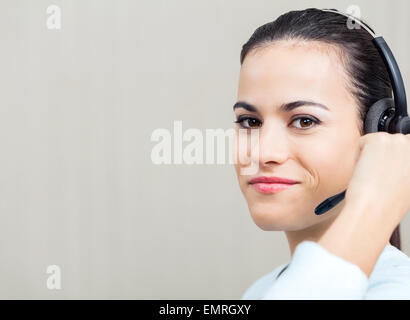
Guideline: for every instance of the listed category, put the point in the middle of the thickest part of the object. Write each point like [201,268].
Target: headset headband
[399,92]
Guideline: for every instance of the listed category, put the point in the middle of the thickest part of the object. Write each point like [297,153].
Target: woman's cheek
[331,163]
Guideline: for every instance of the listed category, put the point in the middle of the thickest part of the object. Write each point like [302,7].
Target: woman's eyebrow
[286,107]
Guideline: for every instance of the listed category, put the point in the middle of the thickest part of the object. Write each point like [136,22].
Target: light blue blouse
[314,273]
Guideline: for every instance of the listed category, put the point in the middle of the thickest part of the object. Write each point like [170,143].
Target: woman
[306,83]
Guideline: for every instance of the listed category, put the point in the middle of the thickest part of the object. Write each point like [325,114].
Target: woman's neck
[313,232]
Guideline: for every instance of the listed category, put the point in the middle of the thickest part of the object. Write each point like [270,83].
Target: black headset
[386,114]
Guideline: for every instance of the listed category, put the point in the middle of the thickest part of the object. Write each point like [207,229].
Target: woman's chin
[272,221]
[284,219]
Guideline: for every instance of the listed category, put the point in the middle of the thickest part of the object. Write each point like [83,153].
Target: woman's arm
[377,199]
[360,233]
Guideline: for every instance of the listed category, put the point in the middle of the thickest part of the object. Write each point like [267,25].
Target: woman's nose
[273,145]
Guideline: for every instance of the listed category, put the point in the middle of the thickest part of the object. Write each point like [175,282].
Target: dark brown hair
[368,77]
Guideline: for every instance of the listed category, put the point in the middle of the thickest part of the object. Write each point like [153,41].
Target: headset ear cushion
[374,114]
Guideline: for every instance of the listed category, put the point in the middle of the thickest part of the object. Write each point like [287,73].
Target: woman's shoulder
[390,278]
[258,288]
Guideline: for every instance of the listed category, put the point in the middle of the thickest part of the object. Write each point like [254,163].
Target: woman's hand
[382,175]
[377,199]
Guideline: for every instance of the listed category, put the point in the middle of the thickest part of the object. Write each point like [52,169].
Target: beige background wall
[77,109]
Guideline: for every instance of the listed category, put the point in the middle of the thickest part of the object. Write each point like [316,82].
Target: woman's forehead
[292,71]
[299,63]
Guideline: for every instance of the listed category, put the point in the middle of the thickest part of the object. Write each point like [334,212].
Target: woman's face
[320,156]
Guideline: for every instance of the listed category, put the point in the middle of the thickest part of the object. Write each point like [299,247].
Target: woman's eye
[305,122]
[248,122]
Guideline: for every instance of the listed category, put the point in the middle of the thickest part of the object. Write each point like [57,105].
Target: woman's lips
[271,184]
[271,187]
